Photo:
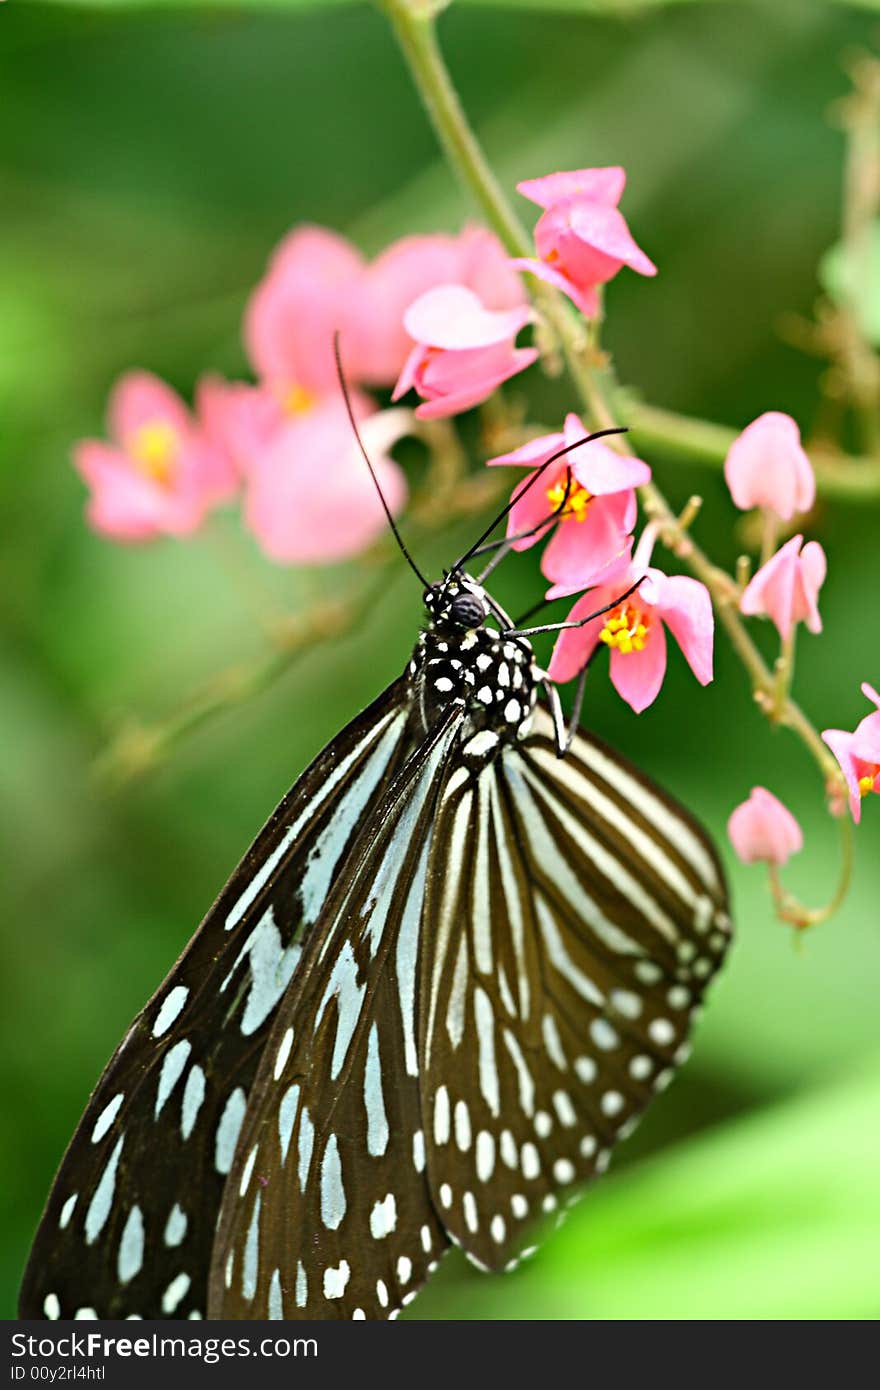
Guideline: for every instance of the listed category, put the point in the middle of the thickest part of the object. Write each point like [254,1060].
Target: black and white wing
[129,1225]
[327,1211]
[492,998]
[573,919]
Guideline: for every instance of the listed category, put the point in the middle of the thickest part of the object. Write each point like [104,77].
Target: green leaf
[774,1216]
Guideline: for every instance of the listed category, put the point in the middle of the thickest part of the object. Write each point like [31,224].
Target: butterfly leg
[564,732]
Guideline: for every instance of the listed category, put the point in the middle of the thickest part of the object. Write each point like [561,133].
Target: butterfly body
[448,976]
[461,660]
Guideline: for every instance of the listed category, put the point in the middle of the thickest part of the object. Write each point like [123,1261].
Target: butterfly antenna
[530,482]
[343,386]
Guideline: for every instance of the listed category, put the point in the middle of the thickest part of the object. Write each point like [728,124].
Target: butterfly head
[457,604]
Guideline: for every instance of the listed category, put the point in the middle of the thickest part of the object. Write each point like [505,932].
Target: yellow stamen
[866,784]
[577,503]
[154,449]
[298,400]
[626,629]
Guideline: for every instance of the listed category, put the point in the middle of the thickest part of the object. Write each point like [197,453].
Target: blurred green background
[150,159]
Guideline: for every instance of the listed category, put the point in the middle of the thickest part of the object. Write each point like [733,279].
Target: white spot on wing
[286,1117]
[175,1293]
[332,1191]
[335,1280]
[251,1262]
[276,1301]
[441,1116]
[172,1070]
[170,1009]
[228,1129]
[102,1200]
[193,1095]
[283,1054]
[374,1102]
[67,1210]
[175,1226]
[131,1246]
[383,1217]
[106,1117]
[488,1069]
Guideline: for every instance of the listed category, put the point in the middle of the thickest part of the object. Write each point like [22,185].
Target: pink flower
[375,337]
[786,589]
[297,308]
[859,754]
[634,630]
[599,513]
[238,419]
[463,351]
[762,829]
[159,475]
[766,467]
[581,238]
[309,498]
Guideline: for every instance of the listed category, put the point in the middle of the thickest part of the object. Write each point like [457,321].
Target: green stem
[413,23]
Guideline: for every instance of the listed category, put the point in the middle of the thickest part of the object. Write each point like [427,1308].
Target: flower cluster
[587,498]
[441,316]
[284,443]
[767,468]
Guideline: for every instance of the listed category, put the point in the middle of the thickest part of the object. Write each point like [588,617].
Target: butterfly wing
[574,917]
[327,1211]
[129,1224]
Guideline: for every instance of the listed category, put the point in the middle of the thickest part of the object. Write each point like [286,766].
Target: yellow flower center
[866,783]
[577,503]
[154,449]
[626,629]
[298,400]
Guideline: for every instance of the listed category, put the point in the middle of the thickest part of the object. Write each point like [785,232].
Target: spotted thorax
[460,660]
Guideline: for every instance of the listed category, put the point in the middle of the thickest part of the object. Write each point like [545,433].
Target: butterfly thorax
[459,659]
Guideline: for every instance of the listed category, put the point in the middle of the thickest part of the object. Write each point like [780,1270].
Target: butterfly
[450,973]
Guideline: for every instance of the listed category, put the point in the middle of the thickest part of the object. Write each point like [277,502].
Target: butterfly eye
[466,611]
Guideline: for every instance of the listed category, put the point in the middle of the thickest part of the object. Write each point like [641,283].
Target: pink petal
[452,317]
[870,694]
[602,470]
[575,646]
[410,372]
[763,829]
[485,268]
[604,229]
[866,739]
[772,590]
[374,331]
[686,608]
[302,301]
[603,185]
[478,390]
[139,399]
[532,506]
[584,297]
[638,676]
[581,551]
[237,419]
[786,588]
[374,320]
[841,744]
[767,467]
[532,454]
[124,504]
[311,500]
